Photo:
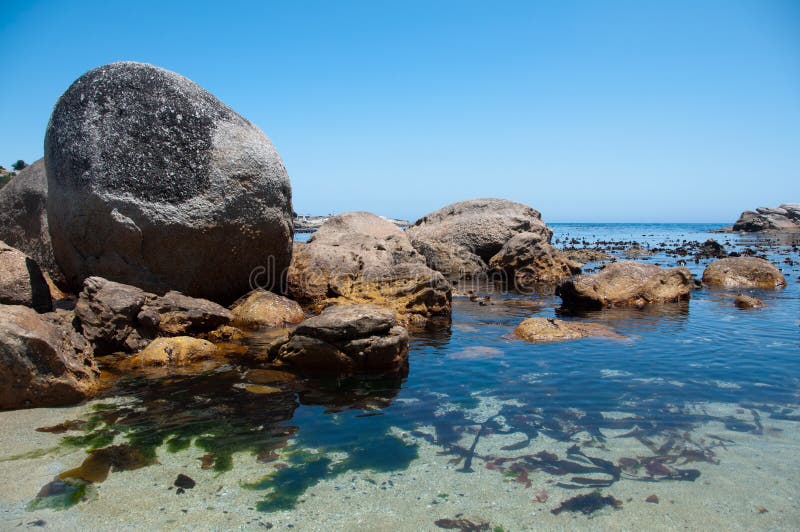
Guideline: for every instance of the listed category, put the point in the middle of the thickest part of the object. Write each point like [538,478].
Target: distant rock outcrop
[156,183]
[358,257]
[783,218]
[626,284]
[23,217]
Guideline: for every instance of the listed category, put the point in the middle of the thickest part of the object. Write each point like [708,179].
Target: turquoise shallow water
[556,408]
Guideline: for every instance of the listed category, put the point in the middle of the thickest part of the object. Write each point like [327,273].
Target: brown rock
[528,260]
[347,339]
[551,330]
[359,257]
[175,351]
[626,284]
[21,281]
[747,302]
[118,317]
[44,361]
[261,308]
[743,272]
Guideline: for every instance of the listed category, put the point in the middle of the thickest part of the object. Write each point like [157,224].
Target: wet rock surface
[552,330]
[347,338]
[359,257]
[528,260]
[748,302]
[261,308]
[44,361]
[118,317]
[626,284]
[22,281]
[743,272]
[153,181]
[173,351]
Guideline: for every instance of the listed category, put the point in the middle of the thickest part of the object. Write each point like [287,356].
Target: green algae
[62,494]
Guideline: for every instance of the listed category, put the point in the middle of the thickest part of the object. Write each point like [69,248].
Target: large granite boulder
[23,217]
[116,317]
[21,281]
[347,339]
[743,272]
[460,239]
[154,182]
[626,284]
[261,308]
[783,218]
[359,257]
[528,261]
[44,360]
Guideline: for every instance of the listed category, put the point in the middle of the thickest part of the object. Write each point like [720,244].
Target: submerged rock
[748,302]
[359,257]
[174,351]
[21,281]
[119,317]
[584,255]
[743,272]
[551,330]
[261,308]
[23,217]
[347,339]
[711,249]
[626,284]
[156,183]
[783,218]
[460,239]
[44,361]
[528,260]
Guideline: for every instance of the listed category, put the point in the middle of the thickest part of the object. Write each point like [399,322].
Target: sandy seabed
[753,487]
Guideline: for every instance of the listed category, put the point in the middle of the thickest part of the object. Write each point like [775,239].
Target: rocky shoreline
[162,236]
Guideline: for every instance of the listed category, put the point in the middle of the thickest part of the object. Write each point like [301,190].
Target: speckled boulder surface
[786,217]
[23,217]
[156,183]
[743,272]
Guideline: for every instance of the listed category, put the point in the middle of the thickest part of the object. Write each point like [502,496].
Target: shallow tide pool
[690,420]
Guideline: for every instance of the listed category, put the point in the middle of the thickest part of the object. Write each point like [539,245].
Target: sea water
[689,420]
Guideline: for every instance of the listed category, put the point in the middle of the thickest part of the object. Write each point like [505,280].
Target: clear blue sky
[586,110]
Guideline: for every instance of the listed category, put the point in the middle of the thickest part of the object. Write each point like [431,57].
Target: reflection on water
[586,415]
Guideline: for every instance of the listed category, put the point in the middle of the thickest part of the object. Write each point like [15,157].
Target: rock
[23,217]
[584,255]
[636,251]
[184,482]
[226,333]
[21,281]
[551,330]
[347,339]
[155,183]
[261,308]
[711,249]
[358,257]
[626,284]
[44,361]
[783,218]
[748,302]
[743,272]
[175,351]
[464,236]
[529,260]
[118,317]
